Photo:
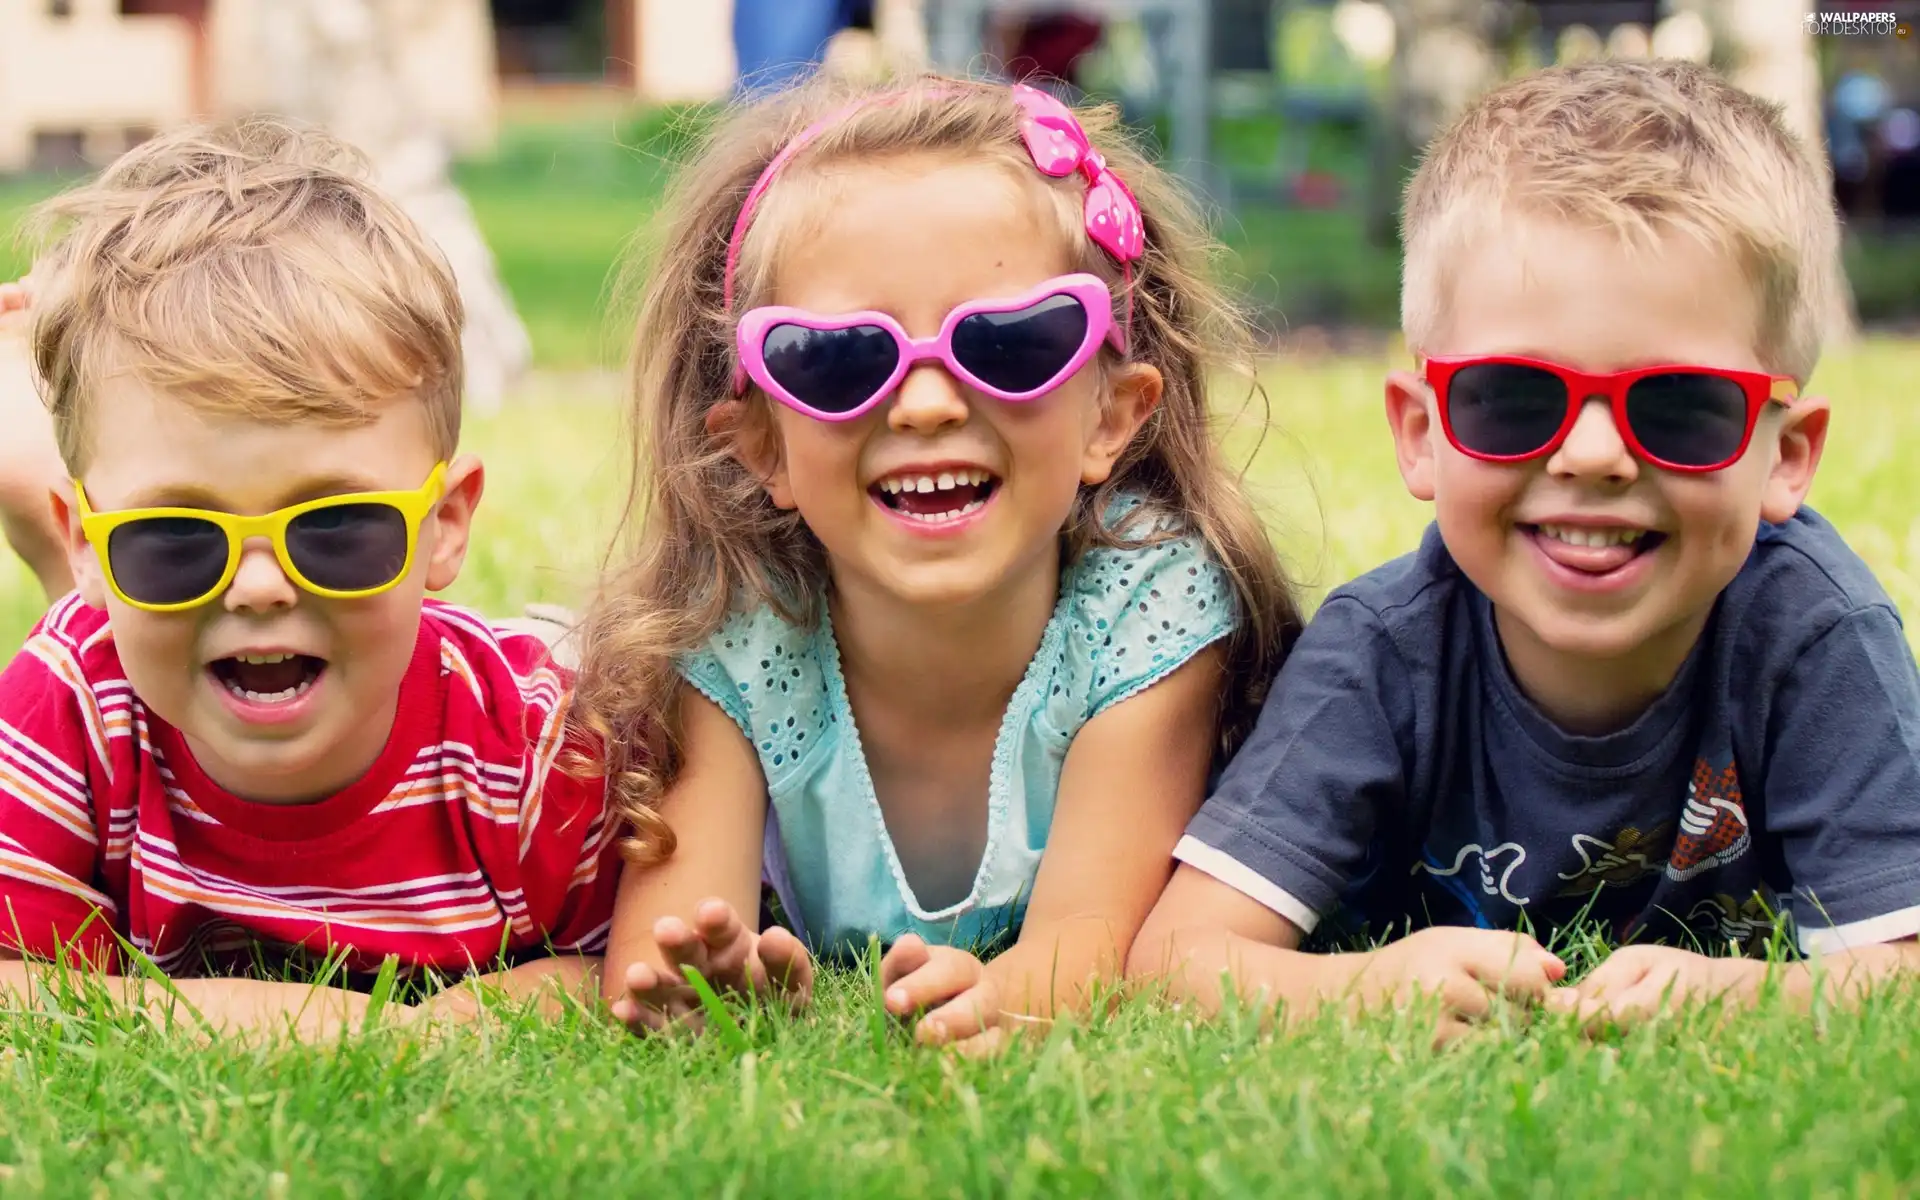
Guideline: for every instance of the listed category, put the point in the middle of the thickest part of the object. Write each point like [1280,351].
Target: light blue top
[1124,619]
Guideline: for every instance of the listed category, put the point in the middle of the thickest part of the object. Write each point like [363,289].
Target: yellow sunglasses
[341,547]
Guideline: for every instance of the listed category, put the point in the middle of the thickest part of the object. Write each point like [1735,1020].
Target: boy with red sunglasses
[1627,677]
[248,734]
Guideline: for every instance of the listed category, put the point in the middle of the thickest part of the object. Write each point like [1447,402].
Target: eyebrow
[189,495]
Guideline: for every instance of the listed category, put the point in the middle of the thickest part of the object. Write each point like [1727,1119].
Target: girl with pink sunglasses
[942,601]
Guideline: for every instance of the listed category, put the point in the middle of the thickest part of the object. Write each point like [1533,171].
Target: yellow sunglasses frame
[413,506]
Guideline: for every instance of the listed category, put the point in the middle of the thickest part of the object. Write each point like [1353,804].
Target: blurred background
[533,136]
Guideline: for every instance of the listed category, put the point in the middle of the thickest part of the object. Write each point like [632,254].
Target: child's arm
[30,464]
[1132,780]
[1841,781]
[548,981]
[1638,982]
[717,807]
[1205,936]
[309,1012]
[229,1007]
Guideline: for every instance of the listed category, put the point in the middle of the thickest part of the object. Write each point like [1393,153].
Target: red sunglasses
[1506,409]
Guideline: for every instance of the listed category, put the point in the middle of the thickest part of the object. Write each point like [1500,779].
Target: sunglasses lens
[831,370]
[1505,410]
[1689,420]
[349,547]
[1024,351]
[167,560]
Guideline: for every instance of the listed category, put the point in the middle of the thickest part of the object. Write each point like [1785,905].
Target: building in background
[79,79]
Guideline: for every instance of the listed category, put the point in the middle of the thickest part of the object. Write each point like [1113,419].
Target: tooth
[925,483]
[945,482]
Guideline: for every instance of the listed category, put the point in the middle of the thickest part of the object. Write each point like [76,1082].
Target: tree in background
[333,64]
[1770,53]
[1444,56]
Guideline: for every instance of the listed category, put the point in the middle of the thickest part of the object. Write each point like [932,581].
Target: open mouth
[1593,550]
[267,678]
[935,499]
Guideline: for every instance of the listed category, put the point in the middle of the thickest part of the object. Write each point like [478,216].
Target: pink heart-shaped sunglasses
[838,367]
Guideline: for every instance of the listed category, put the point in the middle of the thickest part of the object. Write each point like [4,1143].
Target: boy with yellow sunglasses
[249,729]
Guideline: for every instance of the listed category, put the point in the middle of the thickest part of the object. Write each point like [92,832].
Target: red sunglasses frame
[1759,389]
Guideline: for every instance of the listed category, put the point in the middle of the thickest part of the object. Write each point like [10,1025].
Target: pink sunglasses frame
[1759,389]
[1092,293]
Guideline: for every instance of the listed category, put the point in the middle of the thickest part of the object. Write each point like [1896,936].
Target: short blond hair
[247,268]
[1647,150]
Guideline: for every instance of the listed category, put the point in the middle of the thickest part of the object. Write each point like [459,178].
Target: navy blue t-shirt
[1398,776]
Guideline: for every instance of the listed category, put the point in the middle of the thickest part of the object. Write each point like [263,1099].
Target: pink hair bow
[1059,147]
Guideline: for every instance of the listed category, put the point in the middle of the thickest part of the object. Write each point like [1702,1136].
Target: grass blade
[877,1018]
[724,1026]
[382,993]
[151,970]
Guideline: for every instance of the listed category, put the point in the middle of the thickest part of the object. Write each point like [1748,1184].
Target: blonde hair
[1644,149]
[247,268]
[707,535]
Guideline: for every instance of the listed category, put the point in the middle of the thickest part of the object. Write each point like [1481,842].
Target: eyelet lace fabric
[1124,619]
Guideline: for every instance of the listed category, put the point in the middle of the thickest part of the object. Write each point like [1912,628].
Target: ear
[1410,419]
[82,562]
[451,522]
[1803,438]
[1134,391]
[755,445]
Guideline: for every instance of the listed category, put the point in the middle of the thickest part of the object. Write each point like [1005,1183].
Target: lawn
[1140,1103]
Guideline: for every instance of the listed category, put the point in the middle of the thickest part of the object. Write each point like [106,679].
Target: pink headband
[1055,141]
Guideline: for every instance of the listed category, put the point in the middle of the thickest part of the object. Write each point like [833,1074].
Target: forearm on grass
[1843,978]
[552,983]
[1210,968]
[1058,965]
[717,807]
[224,1006]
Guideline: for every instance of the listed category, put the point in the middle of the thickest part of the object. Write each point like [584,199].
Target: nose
[928,400]
[1594,448]
[260,586]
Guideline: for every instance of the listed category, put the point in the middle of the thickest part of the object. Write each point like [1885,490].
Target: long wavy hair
[700,537]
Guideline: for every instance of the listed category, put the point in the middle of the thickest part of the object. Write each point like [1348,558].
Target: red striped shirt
[465,841]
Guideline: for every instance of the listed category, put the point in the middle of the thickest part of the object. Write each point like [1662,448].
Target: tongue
[944,500]
[1595,560]
[267,678]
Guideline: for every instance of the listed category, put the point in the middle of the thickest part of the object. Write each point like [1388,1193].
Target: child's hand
[1640,982]
[964,1002]
[16,304]
[727,953]
[1464,968]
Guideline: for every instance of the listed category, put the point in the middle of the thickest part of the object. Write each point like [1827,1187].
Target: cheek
[820,460]
[371,642]
[158,652]
[1466,490]
[1054,430]
[1721,511]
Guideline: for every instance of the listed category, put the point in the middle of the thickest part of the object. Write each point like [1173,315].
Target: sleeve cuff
[1244,879]
[1831,939]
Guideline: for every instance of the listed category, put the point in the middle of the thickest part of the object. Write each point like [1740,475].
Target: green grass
[1141,1104]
